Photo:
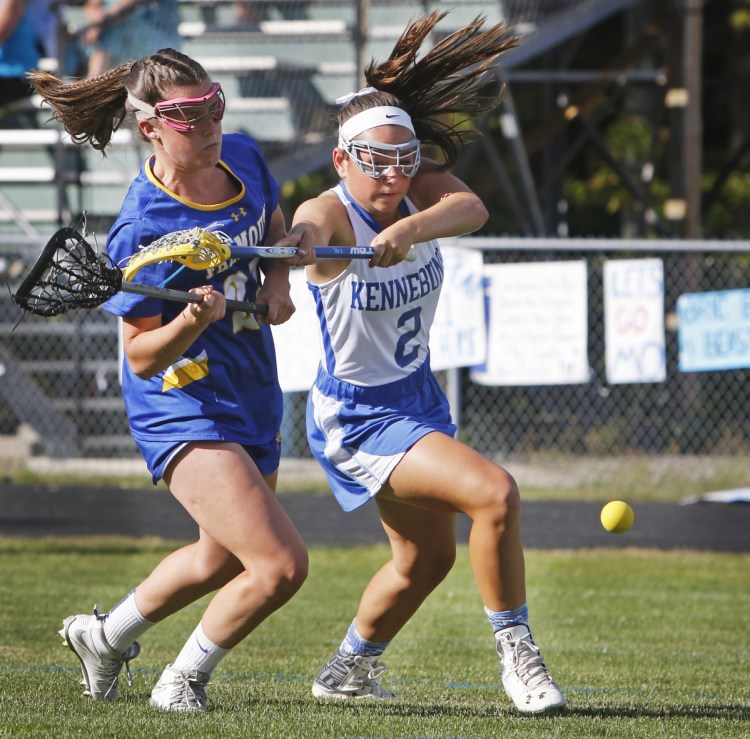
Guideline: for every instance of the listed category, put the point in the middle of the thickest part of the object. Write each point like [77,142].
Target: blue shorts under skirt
[359,434]
[158,454]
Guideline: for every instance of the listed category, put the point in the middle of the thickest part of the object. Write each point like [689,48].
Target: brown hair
[92,109]
[448,80]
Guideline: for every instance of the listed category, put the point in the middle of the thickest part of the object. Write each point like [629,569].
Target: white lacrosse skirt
[359,434]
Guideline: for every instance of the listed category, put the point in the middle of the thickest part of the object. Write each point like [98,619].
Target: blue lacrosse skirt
[359,434]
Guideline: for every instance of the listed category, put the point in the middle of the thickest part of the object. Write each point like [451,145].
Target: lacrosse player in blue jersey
[200,383]
[377,421]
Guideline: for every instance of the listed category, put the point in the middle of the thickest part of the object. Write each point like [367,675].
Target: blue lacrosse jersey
[224,387]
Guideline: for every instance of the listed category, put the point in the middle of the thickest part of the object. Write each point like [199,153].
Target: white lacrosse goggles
[375,159]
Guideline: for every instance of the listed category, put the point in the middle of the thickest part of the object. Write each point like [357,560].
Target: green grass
[638,478]
[644,643]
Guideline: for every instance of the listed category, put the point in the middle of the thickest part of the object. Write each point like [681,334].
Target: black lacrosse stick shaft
[183,297]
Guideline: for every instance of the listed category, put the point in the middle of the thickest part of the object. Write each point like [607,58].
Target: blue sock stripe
[355,644]
[504,619]
[119,603]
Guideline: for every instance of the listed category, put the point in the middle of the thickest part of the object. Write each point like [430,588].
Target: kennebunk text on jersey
[390,294]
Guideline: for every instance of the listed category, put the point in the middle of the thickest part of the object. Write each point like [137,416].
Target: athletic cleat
[180,691]
[130,653]
[100,664]
[350,676]
[525,678]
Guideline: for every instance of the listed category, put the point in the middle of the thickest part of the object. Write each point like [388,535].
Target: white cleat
[180,691]
[525,677]
[351,676]
[100,664]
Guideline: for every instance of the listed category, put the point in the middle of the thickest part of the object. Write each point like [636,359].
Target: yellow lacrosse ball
[617,517]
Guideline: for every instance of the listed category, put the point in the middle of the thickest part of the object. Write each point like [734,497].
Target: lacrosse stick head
[196,248]
[69,273]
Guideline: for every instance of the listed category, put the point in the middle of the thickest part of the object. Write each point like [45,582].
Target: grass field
[643,643]
[663,479]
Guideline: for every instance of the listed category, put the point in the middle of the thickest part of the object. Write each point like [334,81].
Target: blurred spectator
[128,29]
[249,13]
[246,14]
[18,50]
[45,21]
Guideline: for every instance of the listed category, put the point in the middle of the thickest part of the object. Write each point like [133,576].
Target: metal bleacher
[282,64]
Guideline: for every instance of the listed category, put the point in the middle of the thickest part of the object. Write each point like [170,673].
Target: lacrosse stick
[199,248]
[69,273]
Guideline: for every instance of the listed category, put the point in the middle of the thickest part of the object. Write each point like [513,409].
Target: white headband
[384,115]
[140,108]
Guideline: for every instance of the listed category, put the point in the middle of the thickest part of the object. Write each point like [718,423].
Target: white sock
[125,623]
[199,653]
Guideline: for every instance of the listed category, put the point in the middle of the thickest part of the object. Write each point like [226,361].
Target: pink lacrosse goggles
[184,114]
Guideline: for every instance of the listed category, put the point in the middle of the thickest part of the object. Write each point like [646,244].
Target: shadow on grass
[721,711]
[223,702]
[432,710]
[229,697]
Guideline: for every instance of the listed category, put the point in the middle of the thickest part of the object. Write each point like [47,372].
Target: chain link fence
[59,377]
[688,413]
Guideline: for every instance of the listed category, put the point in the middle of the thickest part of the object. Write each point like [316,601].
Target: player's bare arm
[327,221]
[151,347]
[447,206]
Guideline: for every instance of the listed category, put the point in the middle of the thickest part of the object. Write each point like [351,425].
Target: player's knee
[510,497]
[290,574]
[280,578]
[496,497]
[505,506]
[298,573]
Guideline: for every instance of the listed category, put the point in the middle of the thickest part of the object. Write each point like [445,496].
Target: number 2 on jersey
[413,320]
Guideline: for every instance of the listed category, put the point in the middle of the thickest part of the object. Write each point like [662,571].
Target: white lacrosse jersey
[375,322]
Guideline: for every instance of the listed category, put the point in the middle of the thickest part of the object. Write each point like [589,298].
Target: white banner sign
[537,324]
[298,340]
[458,337]
[634,321]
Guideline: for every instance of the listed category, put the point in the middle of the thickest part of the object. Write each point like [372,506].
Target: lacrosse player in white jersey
[377,420]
